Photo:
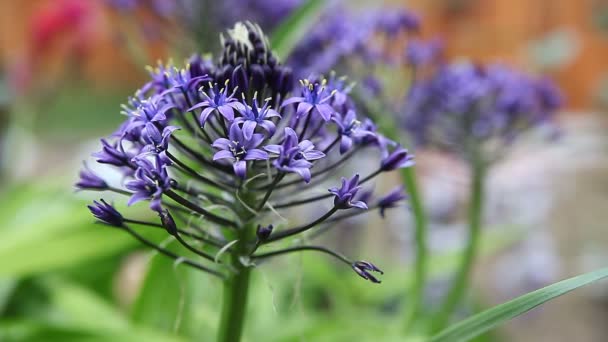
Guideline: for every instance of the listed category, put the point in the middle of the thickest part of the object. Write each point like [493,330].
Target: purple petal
[345,144]
[205,115]
[303,109]
[199,105]
[269,126]
[295,99]
[304,173]
[271,113]
[137,197]
[221,143]
[313,155]
[256,154]
[359,204]
[325,110]
[223,155]
[227,112]
[240,169]
[276,149]
[248,129]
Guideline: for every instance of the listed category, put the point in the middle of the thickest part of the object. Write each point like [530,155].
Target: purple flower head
[398,159]
[239,149]
[230,156]
[315,99]
[114,154]
[421,53]
[363,269]
[254,116]
[295,156]
[106,213]
[392,22]
[350,128]
[220,101]
[391,199]
[90,181]
[344,196]
[459,106]
[151,180]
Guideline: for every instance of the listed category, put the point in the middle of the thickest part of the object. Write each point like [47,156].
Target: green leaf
[45,228]
[484,321]
[287,35]
[170,295]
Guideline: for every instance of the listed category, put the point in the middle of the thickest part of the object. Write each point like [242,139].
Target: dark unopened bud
[264,232]
[258,79]
[167,220]
[239,79]
[363,269]
[106,213]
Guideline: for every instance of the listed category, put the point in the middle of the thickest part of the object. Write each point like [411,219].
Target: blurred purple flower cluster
[458,106]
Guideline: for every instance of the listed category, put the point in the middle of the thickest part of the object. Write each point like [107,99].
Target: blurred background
[67,65]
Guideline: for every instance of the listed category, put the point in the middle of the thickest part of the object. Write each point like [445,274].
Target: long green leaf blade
[286,36]
[484,321]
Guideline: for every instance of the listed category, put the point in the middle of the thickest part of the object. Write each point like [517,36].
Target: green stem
[236,287]
[461,281]
[389,126]
[234,304]
[408,176]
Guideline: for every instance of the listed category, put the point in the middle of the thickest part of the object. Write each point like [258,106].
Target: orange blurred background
[566,39]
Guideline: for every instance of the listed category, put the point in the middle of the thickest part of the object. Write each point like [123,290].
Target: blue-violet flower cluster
[222,150]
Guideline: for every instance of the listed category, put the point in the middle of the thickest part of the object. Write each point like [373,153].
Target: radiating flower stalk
[223,150]
[477,112]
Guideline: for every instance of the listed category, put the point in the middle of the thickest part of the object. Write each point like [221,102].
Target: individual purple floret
[314,99]
[398,159]
[350,128]
[106,213]
[90,181]
[363,269]
[114,154]
[239,149]
[254,116]
[218,101]
[294,156]
[151,180]
[156,140]
[391,199]
[344,196]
